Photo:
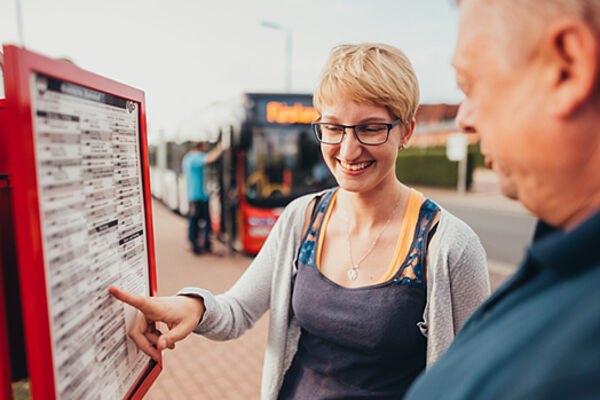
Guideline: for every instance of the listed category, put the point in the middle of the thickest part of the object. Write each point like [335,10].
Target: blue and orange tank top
[360,342]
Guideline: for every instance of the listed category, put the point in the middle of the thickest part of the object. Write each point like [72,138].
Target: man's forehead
[477,14]
[478,28]
[469,40]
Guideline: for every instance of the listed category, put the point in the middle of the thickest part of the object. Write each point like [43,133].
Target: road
[504,235]
[504,226]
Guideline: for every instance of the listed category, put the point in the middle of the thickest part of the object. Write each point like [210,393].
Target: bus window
[152,150]
[283,163]
[175,153]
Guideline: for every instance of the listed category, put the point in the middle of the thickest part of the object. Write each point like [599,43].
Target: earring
[402,147]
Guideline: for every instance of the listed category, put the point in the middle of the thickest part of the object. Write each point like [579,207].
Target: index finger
[133,300]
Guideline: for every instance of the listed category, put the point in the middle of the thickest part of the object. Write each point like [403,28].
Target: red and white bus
[271,157]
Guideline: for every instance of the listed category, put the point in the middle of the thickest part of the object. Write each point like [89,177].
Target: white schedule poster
[91,201]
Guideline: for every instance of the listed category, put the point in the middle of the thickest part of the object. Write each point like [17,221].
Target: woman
[366,283]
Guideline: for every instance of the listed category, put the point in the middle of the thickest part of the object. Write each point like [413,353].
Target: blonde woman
[366,283]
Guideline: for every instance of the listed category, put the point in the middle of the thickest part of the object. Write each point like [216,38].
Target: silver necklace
[353,271]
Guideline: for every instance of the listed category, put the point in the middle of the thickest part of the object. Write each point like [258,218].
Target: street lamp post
[288,50]
[19,23]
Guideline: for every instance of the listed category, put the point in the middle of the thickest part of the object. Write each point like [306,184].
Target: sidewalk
[199,368]
[484,194]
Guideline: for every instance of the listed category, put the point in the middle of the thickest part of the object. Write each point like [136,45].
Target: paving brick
[199,368]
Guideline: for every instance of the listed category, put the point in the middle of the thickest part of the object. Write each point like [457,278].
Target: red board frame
[5,372]
[5,375]
[17,158]
[5,378]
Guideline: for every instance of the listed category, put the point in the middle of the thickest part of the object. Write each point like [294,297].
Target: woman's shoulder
[454,237]
[298,205]
[456,249]
[451,224]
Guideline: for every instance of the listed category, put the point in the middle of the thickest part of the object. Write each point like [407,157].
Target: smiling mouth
[355,167]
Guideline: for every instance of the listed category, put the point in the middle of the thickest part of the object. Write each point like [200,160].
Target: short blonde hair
[372,73]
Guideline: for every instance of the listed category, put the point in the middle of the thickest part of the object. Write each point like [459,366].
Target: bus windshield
[284,162]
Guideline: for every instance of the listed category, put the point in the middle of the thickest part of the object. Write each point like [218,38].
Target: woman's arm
[469,280]
[229,315]
[457,282]
[224,316]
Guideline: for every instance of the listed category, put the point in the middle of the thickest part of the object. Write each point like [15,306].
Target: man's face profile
[494,79]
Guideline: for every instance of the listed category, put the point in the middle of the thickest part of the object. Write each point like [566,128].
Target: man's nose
[464,117]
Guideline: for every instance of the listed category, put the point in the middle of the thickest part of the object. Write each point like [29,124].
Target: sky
[187,54]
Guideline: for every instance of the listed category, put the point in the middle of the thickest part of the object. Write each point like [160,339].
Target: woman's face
[358,167]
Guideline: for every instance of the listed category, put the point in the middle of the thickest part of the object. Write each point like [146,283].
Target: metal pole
[462,176]
[288,51]
[288,60]
[20,23]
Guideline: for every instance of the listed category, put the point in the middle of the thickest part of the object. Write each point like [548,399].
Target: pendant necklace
[353,271]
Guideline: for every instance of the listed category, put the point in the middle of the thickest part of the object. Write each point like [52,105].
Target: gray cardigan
[457,282]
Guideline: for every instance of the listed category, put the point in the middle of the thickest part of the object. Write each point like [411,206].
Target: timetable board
[89,169]
[93,230]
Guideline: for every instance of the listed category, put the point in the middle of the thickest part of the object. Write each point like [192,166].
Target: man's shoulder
[541,336]
[560,322]
[566,348]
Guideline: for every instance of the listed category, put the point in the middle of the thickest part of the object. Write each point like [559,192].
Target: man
[530,72]
[193,168]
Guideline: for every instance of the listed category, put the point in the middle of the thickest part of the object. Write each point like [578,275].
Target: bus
[271,157]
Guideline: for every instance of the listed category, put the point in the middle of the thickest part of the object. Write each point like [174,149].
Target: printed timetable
[89,176]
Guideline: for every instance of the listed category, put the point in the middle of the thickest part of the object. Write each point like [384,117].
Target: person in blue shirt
[530,71]
[193,168]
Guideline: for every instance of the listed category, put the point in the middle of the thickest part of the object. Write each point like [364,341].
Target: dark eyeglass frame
[353,127]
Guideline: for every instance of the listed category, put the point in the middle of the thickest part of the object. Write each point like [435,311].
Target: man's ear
[574,51]
[408,132]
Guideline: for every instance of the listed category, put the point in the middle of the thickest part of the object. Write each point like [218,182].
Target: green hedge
[431,167]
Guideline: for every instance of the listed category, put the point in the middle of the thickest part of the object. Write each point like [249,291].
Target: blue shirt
[538,336]
[193,167]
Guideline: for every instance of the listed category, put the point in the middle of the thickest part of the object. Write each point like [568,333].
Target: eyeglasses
[370,134]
